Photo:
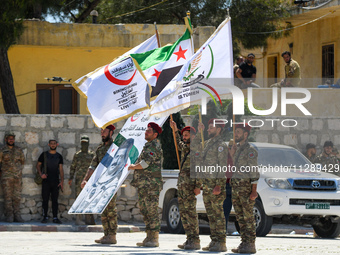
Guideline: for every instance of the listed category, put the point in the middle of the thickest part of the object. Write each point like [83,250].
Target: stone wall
[32,135]
[34,131]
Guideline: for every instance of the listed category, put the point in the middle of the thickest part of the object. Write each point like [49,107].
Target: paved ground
[35,243]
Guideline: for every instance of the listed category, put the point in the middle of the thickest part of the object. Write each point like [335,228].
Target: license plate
[317,205]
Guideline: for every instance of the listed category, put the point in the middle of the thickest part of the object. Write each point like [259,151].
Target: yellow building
[314,43]
[69,51]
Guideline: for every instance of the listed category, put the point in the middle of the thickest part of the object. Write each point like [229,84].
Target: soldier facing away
[215,153]
[188,189]
[109,215]
[80,164]
[147,178]
[12,162]
[244,185]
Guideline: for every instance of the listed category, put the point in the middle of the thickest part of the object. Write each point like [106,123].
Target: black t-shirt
[53,162]
[247,70]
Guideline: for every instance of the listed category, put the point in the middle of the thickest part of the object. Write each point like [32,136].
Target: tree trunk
[6,84]
[81,18]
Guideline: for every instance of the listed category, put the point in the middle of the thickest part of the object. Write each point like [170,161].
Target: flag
[205,74]
[161,65]
[82,84]
[118,90]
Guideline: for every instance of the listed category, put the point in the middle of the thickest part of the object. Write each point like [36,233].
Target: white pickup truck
[290,190]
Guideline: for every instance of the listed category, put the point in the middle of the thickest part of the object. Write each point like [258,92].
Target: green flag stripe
[133,154]
[159,55]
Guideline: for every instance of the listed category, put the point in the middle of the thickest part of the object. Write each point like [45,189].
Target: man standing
[147,178]
[327,159]
[188,189]
[80,164]
[12,162]
[292,72]
[109,215]
[239,61]
[214,154]
[244,184]
[310,152]
[247,73]
[51,183]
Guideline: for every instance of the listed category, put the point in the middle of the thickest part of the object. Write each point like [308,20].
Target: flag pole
[200,120]
[173,131]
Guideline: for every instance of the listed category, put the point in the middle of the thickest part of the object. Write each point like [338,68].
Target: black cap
[328,143]
[251,55]
[310,145]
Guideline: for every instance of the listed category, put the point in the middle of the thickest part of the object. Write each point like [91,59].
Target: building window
[328,63]
[56,99]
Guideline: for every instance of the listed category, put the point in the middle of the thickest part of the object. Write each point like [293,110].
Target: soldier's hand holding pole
[217,190]
[197,191]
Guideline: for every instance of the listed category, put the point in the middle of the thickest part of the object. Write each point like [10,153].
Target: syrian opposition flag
[161,65]
[204,75]
[82,84]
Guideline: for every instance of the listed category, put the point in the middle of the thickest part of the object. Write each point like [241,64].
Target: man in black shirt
[50,175]
[247,73]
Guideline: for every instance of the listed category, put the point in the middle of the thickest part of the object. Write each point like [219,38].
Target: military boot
[109,239]
[218,246]
[181,246]
[248,248]
[192,245]
[146,239]
[78,220]
[212,243]
[153,241]
[17,218]
[237,250]
[99,240]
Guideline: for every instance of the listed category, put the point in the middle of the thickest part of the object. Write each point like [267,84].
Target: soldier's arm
[72,169]
[222,157]
[22,158]
[252,163]
[90,171]
[180,143]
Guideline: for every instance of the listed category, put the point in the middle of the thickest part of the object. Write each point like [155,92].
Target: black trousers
[50,189]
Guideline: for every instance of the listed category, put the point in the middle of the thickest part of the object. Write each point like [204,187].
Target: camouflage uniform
[80,165]
[149,183]
[109,215]
[12,162]
[215,153]
[329,163]
[311,158]
[292,73]
[186,195]
[241,182]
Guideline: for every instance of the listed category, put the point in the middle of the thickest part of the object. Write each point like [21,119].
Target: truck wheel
[327,228]
[263,222]
[173,218]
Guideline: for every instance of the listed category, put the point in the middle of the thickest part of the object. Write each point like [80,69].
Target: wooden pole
[157,36]
[176,146]
[200,120]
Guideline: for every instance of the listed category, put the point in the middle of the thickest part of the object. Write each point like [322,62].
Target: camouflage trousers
[187,208]
[78,185]
[109,218]
[11,188]
[214,208]
[243,207]
[148,199]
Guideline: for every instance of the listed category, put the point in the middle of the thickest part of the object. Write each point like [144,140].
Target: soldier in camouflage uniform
[147,178]
[80,164]
[109,215]
[213,156]
[244,184]
[12,162]
[328,161]
[310,152]
[188,189]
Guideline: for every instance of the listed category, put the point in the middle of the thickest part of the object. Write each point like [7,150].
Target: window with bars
[328,63]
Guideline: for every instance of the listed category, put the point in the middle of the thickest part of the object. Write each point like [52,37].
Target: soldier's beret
[310,145]
[188,128]
[328,143]
[84,138]
[211,121]
[111,127]
[245,126]
[9,133]
[155,126]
